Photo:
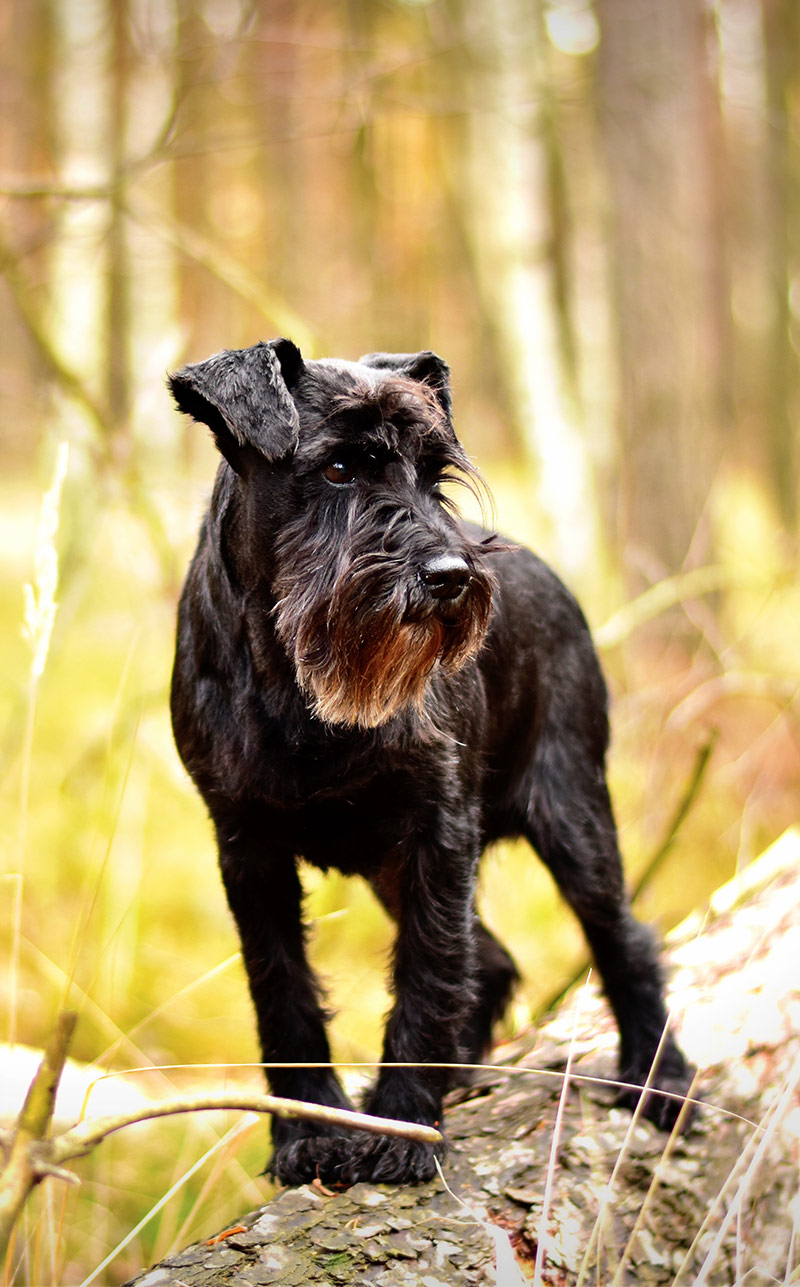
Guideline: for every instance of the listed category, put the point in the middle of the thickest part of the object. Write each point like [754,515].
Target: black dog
[364,682]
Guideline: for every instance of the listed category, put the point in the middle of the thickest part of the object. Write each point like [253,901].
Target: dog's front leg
[429,892]
[265,896]
[431,900]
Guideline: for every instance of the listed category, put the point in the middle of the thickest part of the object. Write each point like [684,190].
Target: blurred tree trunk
[508,186]
[782,382]
[659,121]
[207,181]
[28,149]
[362,179]
[118,276]
[204,305]
[273,69]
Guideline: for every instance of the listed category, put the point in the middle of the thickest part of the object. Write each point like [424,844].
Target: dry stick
[29,1155]
[527,1070]
[25,1158]
[680,813]
[81,1139]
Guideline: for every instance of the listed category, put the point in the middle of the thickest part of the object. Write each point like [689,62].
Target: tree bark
[610,1196]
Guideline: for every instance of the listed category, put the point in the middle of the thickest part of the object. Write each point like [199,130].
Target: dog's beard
[362,656]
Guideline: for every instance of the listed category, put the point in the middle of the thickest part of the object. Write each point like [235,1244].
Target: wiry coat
[366,682]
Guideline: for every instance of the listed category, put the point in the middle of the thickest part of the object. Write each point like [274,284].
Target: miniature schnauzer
[364,681]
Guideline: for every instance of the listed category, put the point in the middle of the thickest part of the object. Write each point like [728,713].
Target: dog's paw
[347,1159]
[663,1102]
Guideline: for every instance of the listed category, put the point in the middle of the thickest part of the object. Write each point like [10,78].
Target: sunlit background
[593,213]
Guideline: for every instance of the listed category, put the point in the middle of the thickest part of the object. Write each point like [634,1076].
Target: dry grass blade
[733,1213]
[160,1204]
[541,1240]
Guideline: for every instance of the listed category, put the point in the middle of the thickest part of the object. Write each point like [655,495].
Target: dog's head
[341,524]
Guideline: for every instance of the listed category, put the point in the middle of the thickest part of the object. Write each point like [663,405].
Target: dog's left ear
[427,367]
[242,395]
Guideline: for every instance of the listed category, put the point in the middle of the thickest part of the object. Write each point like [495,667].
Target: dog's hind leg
[496,976]
[265,896]
[571,826]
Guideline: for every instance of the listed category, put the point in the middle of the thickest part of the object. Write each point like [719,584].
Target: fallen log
[546,1180]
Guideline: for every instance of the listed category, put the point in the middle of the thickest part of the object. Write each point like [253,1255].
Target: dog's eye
[339,472]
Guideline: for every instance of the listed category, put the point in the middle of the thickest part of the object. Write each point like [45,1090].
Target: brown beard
[365,671]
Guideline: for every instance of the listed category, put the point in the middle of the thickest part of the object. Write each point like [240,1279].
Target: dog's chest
[353,826]
[350,811]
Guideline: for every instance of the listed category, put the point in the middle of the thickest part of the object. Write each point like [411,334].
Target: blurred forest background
[592,211]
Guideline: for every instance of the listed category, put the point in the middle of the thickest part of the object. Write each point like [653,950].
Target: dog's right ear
[427,367]
[242,395]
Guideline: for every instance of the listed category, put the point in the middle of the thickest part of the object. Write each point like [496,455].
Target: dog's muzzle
[446,577]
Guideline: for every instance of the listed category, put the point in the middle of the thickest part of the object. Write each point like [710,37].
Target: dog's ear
[242,395]
[426,367]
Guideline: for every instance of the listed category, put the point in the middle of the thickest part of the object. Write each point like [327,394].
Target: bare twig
[37,189]
[23,1164]
[692,584]
[81,1139]
[30,1154]
[679,814]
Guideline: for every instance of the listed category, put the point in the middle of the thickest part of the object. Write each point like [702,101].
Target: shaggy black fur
[365,682]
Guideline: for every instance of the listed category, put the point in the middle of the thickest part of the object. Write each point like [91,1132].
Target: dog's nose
[446,576]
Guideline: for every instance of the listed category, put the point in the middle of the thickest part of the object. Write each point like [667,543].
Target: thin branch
[680,813]
[658,598]
[22,1167]
[36,189]
[82,1138]
[29,1153]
